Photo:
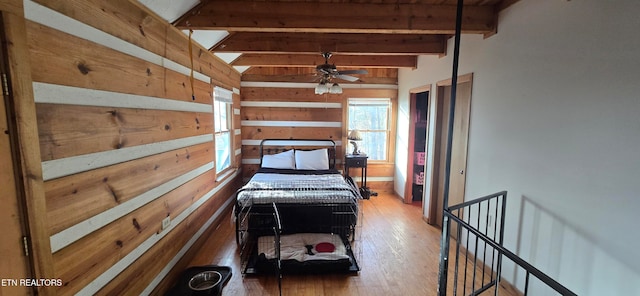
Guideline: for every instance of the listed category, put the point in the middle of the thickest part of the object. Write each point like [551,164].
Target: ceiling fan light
[335,89]
[321,88]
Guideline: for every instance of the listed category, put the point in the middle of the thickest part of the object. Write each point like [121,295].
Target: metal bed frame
[256,220]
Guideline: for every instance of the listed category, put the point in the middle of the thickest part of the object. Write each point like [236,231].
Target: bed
[297,200]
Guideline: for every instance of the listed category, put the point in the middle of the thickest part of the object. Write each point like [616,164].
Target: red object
[419,158]
[325,247]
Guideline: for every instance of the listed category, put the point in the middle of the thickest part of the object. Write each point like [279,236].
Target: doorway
[416,148]
[458,147]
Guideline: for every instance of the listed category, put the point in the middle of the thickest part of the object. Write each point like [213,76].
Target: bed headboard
[273,146]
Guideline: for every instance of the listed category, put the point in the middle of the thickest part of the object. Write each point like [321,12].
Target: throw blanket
[302,247]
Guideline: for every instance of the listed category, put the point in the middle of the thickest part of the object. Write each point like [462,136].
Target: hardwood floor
[399,255]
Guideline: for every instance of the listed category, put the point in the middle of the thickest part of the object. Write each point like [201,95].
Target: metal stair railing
[476,227]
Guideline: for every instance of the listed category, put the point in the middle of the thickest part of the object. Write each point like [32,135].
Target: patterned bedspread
[268,187]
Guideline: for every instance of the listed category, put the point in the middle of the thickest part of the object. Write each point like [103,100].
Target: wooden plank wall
[281,103]
[123,143]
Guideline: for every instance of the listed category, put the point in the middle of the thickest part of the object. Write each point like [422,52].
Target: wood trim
[441,127]
[461,79]
[420,89]
[432,217]
[408,190]
[430,101]
[15,263]
[236,130]
[393,124]
[30,171]
[408,185]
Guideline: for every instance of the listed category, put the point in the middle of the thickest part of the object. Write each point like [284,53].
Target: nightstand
[359,161]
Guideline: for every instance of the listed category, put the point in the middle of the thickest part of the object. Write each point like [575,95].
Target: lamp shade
[355,135]
[321,88]
[335,89]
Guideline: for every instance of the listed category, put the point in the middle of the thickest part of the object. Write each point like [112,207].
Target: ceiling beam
[325,17]
[307,60]
[314,43]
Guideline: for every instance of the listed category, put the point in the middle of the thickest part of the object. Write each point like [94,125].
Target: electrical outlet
[166,222]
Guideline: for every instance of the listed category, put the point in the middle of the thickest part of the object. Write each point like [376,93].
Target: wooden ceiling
[360,33]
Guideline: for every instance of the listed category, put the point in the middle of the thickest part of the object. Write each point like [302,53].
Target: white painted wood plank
[267,104]
[57,168]
[62,94]
[291,123]
[251,161]
[171,65]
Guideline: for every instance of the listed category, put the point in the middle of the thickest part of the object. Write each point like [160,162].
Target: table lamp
[354,136]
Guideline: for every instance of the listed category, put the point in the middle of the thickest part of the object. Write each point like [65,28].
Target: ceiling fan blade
[354,72]
[325,71]
[346,77]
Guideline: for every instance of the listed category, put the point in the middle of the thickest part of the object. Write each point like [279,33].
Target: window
[371,118]
[222,122]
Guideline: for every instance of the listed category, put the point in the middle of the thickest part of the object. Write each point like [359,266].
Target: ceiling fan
[328,72]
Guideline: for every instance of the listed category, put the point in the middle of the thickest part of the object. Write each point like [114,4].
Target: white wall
[555,120]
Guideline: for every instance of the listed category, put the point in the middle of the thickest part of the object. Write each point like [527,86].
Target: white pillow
[312,160]
[282,160]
